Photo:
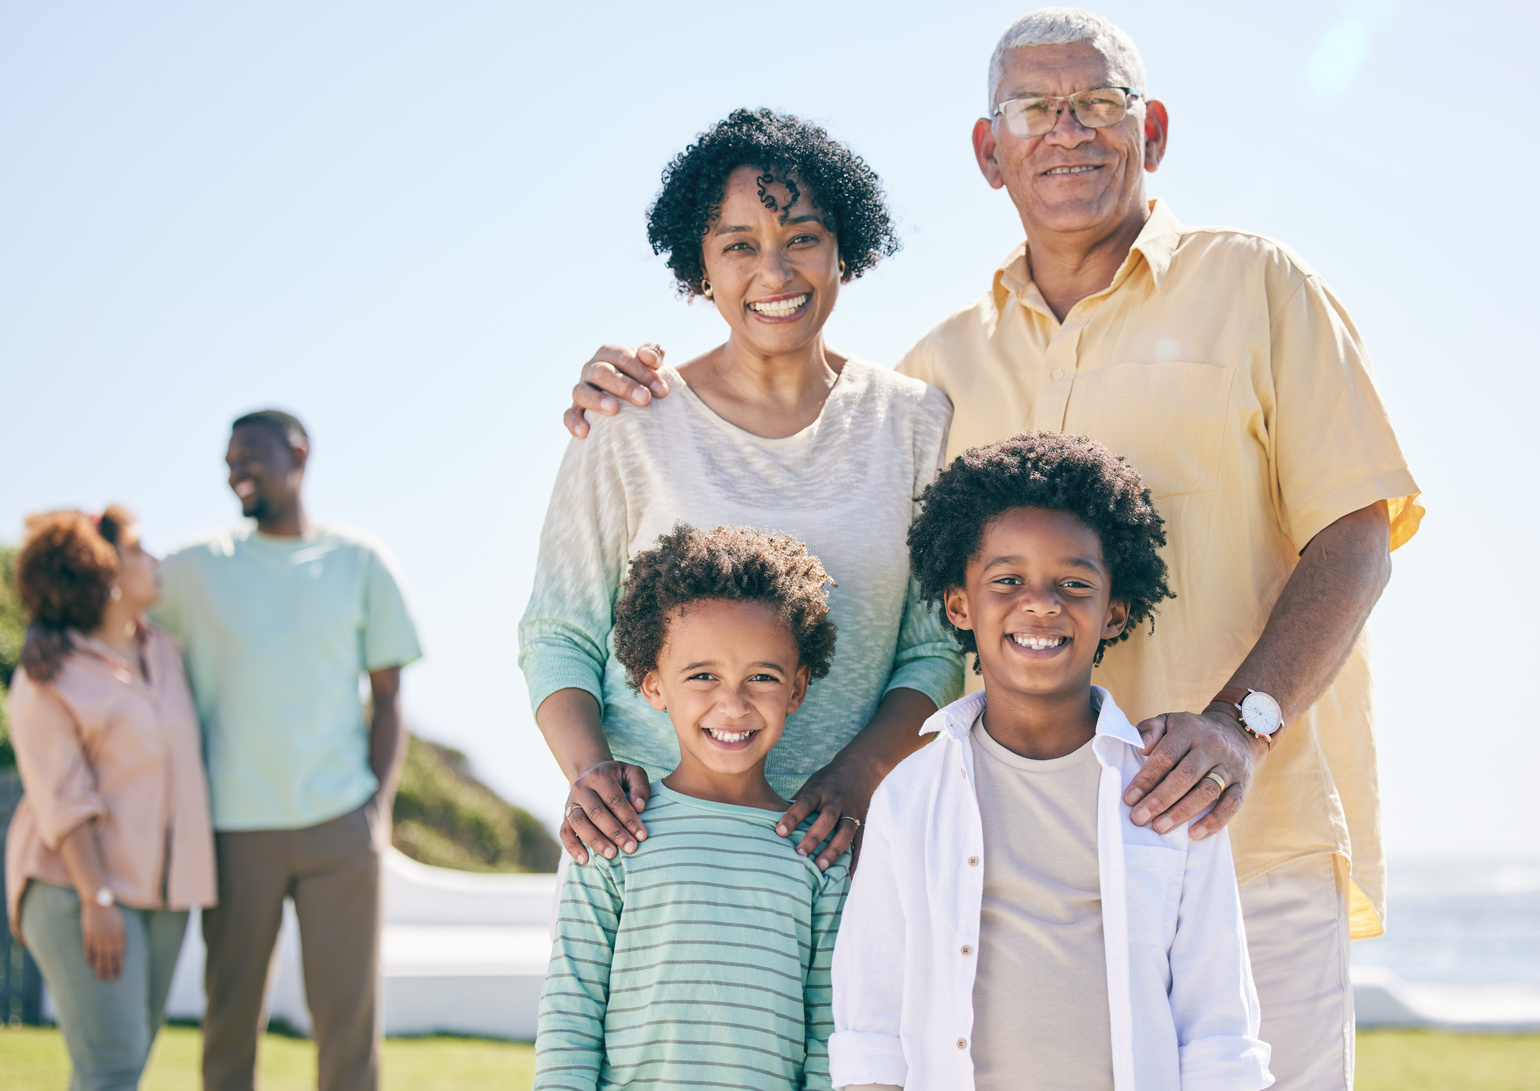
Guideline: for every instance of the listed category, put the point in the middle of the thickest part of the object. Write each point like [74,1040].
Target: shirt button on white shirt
[973,861]
[967,950]
[962,1043]
[1058,373]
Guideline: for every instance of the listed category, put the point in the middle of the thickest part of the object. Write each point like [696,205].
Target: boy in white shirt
[1008,926]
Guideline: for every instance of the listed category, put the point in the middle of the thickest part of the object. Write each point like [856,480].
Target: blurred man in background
[278,620]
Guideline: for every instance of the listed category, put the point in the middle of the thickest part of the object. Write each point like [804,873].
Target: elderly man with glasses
[1222,367]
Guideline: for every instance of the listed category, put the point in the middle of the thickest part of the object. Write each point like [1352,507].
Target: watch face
[1262,713]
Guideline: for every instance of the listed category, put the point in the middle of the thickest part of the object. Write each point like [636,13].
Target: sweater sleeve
[868,967]
[569,1038]
[927,659]
[818,990]
[1213,999]
[564,634]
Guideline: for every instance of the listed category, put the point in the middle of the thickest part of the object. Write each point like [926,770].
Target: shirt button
[962,1043]
[1058,373]
[964,773]
[973,861]
[967,950]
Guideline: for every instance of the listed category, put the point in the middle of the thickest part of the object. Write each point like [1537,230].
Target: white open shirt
[1184,1009]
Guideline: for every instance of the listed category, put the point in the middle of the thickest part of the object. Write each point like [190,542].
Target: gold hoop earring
[842,268]
[705,288]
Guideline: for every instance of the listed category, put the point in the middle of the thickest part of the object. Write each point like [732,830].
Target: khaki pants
[332,871]
[1297,931]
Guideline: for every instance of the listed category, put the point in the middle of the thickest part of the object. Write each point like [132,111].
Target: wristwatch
[1260,715]
[105,898]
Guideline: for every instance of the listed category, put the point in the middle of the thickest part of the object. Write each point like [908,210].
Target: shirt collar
[1156,244]
[92,646]
[956,719]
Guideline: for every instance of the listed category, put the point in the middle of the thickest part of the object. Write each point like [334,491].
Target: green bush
[12,627]
[447,818]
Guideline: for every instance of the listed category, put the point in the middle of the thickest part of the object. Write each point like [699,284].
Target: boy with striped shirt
[703,958]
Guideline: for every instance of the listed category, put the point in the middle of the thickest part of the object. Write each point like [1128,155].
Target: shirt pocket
[1167,419]
[1154,885]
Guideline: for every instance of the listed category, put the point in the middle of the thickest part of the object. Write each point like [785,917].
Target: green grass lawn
[1426,1060]
[33,1059]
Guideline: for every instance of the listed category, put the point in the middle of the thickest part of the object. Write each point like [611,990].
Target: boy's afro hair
[785,149]
[1047,470]
[732,564]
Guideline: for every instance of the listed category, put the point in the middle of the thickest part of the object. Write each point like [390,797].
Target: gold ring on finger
[1218,779]
[567,814]
[852,818]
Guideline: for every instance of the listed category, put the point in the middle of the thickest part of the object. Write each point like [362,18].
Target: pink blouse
[100,744]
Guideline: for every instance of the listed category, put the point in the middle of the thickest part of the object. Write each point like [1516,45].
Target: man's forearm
[387,732]
[1321,611]
[1308,637]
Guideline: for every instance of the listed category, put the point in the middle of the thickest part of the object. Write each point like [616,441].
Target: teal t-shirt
[702,960]
[277,633]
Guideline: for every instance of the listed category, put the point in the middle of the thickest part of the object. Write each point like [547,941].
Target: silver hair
[1061,26]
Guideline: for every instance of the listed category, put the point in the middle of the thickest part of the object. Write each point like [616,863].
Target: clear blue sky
[410,223]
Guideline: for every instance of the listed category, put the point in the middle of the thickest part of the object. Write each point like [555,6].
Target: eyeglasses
[1038,114]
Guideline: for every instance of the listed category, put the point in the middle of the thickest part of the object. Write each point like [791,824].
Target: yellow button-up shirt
[1226,372]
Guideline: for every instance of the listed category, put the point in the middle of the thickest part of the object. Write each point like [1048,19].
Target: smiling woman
[765,216]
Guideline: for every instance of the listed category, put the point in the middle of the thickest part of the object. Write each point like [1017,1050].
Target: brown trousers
[332,871]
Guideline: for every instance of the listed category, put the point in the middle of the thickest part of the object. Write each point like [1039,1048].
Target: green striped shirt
[701,961]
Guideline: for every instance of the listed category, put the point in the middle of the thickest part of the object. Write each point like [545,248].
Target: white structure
[1382,999]
[462,953]
[465,953]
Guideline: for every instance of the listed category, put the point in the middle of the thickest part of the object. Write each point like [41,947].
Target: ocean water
[1460,923]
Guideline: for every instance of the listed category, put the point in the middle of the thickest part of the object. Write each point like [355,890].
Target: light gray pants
[108,1026]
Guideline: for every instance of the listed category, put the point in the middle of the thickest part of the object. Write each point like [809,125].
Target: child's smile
[730,740]
[1038,645]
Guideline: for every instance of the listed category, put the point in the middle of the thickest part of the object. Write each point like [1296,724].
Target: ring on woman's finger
[852,818]
[567,814]
[1218,779]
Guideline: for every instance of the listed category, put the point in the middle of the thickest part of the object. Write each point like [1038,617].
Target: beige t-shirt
[1040,1015]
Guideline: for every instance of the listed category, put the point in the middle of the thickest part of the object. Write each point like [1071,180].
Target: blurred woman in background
[111,844]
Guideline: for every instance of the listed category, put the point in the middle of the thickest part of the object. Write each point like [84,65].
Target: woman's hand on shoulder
[601,810]
[839,794]
[615,372]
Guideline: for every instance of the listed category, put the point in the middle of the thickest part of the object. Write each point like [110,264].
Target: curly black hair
[1048,470]
[787,150]
[733,564]
[64,577]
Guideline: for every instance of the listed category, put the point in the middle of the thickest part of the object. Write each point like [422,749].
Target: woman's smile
[781,308]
